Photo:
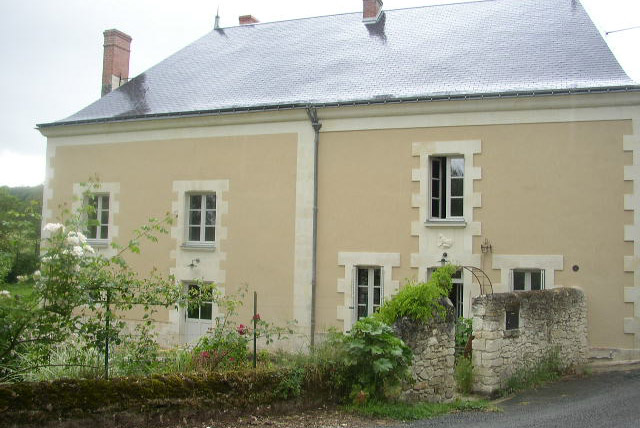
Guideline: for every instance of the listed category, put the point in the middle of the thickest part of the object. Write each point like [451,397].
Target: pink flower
[205,355]
[256,317]
[242,329]
[231,359]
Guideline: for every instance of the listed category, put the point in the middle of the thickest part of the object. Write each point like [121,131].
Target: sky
[51,53]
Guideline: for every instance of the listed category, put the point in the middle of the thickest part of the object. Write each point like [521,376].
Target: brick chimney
[248,20]
[115,63]
[371,11]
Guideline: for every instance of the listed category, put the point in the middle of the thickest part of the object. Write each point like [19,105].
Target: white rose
[53,227]
[5,293]
[77,251]
[72,240]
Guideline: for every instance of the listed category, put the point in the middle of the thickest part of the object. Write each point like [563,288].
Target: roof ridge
[458,2]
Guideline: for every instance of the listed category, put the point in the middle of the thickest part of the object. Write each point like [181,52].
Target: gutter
[367,102]
[315,123]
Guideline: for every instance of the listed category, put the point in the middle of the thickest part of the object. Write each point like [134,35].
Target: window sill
[98,243]
[512,333]
[199,246]
[436,222]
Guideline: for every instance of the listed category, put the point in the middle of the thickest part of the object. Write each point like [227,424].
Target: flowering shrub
[79,292]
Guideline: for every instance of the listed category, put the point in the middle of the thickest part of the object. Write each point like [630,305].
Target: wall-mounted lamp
[194,263]
[485,247]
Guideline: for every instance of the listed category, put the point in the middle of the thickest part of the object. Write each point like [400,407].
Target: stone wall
[433,346]
[541,321]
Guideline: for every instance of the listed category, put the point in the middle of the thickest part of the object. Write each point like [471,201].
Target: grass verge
[18,289]
[547,369]
[409,412]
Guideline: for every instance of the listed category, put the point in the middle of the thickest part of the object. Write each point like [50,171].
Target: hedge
[80,397]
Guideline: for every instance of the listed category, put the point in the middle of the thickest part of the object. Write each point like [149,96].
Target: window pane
[104,232]
[457,167]
[362,311]
[536,280]
[435,188]
[363,276]
[92,233]
[194,234]
[209,234]
[456,187]
[518,280]
[211,202]
[435,208]
[104,217]
[435,168]
[362,295]
[210,218]
[105,202]
[192,311]
[206,310]
[195,201]
[376,296]
[194,218]
[456,207]
[457,275]
[376,277]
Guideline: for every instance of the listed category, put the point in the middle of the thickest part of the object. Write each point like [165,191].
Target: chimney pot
[247,20]
[115,62]
[371,11]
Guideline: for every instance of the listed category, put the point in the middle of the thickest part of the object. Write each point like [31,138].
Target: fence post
[255,324]
[106,339]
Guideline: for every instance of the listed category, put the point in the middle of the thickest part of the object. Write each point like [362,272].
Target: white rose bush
[79,292]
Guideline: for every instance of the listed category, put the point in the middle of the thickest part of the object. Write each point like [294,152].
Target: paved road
[600,400]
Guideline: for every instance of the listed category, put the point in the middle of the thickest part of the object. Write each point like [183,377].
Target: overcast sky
[51,53]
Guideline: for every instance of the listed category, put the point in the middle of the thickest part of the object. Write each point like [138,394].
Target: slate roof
[465,50]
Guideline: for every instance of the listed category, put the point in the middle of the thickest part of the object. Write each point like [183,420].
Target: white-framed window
[446,187]
[456,295]
[369,294]
[527,279]
[201,218]
[98,217]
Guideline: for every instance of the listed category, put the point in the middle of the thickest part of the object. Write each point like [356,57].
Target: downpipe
[315,123]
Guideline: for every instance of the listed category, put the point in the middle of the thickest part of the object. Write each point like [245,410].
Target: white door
[198,318]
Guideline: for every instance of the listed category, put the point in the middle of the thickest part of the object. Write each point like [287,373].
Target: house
[325,161]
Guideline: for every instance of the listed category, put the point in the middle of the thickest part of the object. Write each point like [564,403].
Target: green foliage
[464,330]
[78,293]
[222,349]
[19,234]
[420,302]
[409,412]
[550,367]
[375,362]
[292,385]
[22,402]
[464,375]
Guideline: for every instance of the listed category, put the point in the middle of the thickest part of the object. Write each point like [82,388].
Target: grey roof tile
[494,46]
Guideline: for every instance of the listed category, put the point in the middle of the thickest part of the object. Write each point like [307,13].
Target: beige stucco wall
[547,189]
[261,171]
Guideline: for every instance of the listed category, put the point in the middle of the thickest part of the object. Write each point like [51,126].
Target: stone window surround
[112,189]
[209,268]
[547,263]
[350,260]
[631,143]
[428,230]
